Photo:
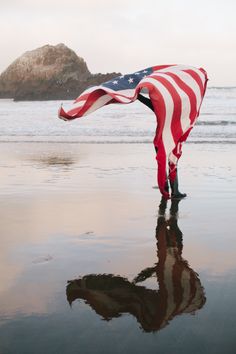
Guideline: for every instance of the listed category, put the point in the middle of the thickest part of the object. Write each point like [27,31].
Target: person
[174,185]
[176,93]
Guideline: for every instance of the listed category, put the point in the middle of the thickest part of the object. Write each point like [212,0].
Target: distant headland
[48,73]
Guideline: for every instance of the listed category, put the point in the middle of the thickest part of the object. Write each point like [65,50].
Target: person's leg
[166,183]
[145,101]
[175,193]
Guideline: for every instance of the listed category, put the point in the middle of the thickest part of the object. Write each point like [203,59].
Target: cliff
[48,73]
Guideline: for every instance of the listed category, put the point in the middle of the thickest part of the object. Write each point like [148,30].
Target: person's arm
[145,101]
[144,274]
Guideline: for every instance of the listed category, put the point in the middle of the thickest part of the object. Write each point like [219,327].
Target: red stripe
[161,67]
[204,73]
[172,169]
[204,88]
[117,95]
[197,78]
[193,288]
[83,97]
[177,271]
[63,114]
[92,98]
[160,273]
[189,92]
[176,129]
[113,94]
[158,105]
[160,111]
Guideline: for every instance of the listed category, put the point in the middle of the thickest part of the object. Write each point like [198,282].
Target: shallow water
[88,266]
[133,123]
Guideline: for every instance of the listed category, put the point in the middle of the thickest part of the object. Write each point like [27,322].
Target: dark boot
[166,187]
[175,193]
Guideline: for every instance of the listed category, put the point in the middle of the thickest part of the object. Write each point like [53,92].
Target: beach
[91,259]
[73,210]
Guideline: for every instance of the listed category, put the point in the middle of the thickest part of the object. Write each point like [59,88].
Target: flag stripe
[167,102]
[160,111]
[100,102]
[189,108]
[197,78]
[93,96]
[165,115]
[176,128]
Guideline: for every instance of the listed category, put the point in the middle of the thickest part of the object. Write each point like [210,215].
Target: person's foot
[178,195]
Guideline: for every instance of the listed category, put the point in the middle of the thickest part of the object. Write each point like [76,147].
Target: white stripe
[78,104]
[69,107]
[173,158]
[185,284]
[189,81]
[167,137]
[200,73]
[129,93]
[168,282]
[123,99]
[185,104]
[174,68]
[88,90]
[199,296]
[101,101]
[184,67]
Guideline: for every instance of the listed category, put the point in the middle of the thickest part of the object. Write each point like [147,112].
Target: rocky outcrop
[48,73]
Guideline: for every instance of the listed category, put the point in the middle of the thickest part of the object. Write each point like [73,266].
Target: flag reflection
[179,287]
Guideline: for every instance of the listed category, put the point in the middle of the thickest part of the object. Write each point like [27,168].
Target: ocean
[133,123]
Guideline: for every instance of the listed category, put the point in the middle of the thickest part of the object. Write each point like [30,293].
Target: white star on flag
[115,82]
[131,80]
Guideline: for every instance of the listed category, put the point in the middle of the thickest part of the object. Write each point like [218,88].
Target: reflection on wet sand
[180,290]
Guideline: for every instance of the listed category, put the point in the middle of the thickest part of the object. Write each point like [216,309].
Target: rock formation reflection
[180,290]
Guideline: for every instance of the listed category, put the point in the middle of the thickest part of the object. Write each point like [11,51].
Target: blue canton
[129,81]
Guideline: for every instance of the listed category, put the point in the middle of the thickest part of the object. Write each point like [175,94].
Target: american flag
[176,93]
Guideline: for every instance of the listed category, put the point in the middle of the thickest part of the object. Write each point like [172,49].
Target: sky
[126,35]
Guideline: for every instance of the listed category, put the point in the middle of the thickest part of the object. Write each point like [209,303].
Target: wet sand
[86,264]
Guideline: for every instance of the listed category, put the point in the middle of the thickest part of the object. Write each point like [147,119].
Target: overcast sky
[126,35]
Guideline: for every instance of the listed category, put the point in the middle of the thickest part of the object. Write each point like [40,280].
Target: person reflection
[180,290]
